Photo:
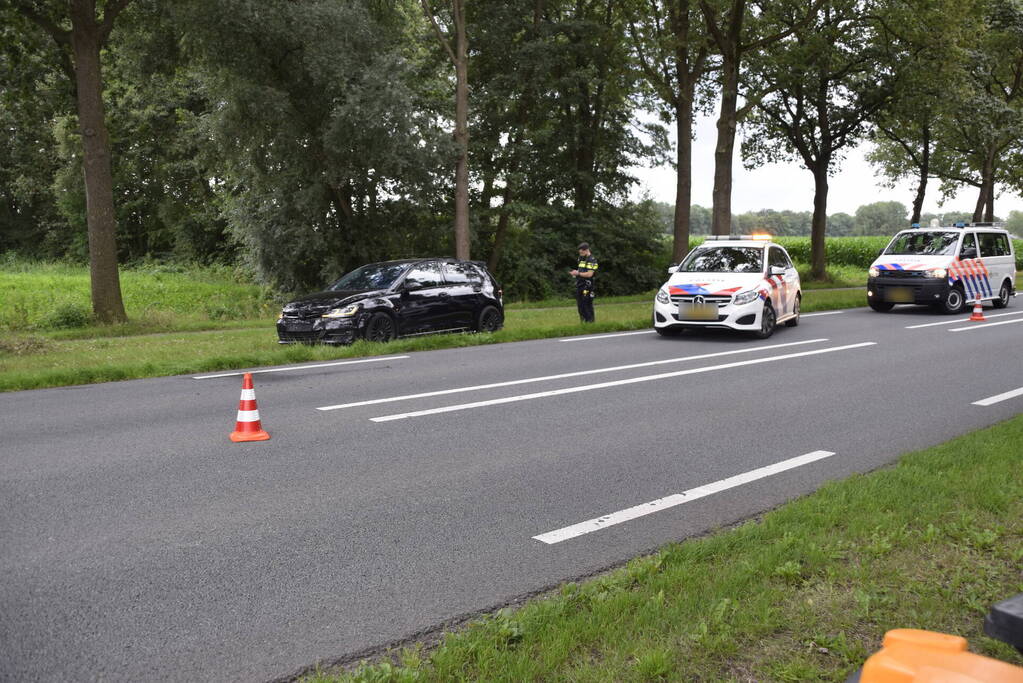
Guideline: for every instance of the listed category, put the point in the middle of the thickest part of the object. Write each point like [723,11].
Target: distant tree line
[305,137]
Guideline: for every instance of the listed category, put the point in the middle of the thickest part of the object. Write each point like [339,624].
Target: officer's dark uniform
[584,287]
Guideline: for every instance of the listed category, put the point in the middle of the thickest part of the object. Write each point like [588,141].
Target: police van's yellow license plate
[899,295]
[698,311]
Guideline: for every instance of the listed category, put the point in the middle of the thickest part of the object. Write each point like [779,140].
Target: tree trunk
[818,254]
[86,39]
[461,133]
[721,217]
[502,230]
[684,184]
[925,168]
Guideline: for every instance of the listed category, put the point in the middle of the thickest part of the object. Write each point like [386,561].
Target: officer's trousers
[584,302]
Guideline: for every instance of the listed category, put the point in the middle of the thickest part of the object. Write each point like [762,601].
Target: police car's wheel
[489,320]
[881,306]
[953,301]
[1003,296]
[793,321]
[381,328]
[768,321]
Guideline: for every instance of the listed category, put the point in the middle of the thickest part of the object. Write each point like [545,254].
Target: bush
[67,315]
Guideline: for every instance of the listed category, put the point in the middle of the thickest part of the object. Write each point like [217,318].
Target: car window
[924,243]
[462,273]
[372,276]
[778,258]
[424,275]
[969,242]
[993,244]
[724,260]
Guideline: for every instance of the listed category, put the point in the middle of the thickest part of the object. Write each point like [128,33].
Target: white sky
[790,186]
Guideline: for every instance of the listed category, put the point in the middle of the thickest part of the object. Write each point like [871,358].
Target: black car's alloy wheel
[381,328]
[489,320]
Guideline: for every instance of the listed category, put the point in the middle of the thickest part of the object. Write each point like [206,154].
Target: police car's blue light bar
[759,236]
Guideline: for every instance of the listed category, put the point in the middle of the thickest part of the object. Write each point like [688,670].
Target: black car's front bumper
[907,289]
[317,330]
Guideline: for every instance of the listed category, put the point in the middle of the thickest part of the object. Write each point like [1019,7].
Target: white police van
[743,283]
[945,267]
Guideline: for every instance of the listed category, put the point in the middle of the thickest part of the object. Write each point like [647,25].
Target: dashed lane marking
[991,400]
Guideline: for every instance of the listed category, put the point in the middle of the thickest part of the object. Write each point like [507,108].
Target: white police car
[743,283]
[946,267]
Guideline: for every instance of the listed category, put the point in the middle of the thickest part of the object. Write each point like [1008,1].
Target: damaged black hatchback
[383,301]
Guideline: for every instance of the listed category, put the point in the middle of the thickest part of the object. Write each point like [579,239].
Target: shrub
[67,315]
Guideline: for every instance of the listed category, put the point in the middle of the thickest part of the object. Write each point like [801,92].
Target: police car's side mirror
[777,270]
[969,252]
[672,267]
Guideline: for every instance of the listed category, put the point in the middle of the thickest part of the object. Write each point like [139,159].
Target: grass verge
[62,358]
[804,593]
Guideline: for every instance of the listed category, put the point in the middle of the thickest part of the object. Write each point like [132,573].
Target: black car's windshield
[372,276]
[924,244]
[724,260]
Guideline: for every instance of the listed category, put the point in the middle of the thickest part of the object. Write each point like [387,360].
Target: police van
[745,283]
[945,267]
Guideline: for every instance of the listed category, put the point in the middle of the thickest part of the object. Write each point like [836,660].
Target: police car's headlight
[346,312]
[743,298]
[662,296]
[873,272]
[939,273]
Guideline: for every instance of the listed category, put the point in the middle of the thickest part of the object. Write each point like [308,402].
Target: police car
[945,267]
[745,283]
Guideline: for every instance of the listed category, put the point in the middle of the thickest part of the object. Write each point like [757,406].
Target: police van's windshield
[724,260]
[924,244]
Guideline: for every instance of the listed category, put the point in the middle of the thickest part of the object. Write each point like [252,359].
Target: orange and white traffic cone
[978,311]
[248,427]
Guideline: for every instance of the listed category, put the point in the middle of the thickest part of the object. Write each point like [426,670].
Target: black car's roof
[443,259]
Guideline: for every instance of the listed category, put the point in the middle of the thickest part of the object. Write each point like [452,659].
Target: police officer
[584,282]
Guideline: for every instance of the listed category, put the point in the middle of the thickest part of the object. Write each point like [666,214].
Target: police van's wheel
[489,320]
[881,306]
[381,328]
[768,321]
[669,331]
[953,301]
[792,322]
[1003,296]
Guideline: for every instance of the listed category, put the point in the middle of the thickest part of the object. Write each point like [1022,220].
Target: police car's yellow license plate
[899,295]
[698,311]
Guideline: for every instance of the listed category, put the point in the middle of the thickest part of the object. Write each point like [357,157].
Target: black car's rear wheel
[489,320]
[380,328]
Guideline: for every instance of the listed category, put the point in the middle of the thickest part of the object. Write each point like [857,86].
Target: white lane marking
[616,383]
[591,525]
[605,336]
[991,400]
[984,326]
[303,367]
[961,320]
[495,385]
[810,315]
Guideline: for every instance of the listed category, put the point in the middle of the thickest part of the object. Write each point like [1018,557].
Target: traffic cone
[978,311]
[248,428]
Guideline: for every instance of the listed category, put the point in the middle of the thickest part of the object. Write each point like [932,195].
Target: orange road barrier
[914,656]
[248,427]
[978,312]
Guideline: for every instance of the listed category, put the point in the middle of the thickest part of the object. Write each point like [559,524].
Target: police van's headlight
[873,272]
[662,296]
[939,273]
[346,312]
[743,298]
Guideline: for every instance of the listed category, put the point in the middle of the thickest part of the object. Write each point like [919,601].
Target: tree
[79,51]
[880,218]
[673,52]
[825,84]
[455,44]
[739,28]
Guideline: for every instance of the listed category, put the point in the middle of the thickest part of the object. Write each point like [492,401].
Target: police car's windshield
[373,276]
[930,243]
[724,260]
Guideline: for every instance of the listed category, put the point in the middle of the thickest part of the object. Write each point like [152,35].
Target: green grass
[804,593]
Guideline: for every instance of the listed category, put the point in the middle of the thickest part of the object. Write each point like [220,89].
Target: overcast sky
[790,186]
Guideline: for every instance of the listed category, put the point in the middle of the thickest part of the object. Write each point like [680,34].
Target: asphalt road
[138,543]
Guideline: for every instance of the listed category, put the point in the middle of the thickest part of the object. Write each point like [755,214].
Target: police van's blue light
[914,225]
[960,225]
